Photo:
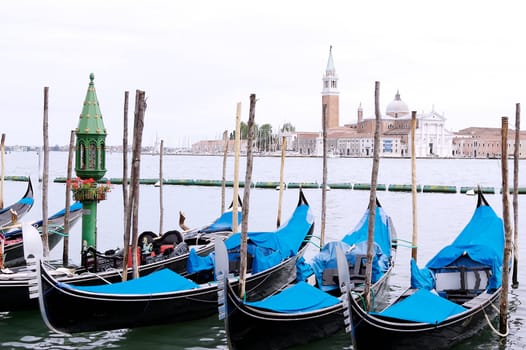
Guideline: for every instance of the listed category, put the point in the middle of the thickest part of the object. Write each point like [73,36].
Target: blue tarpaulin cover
[222,223]
[437,309]
[421,278]
[75,206]
[355,244]
[161,281]
[300,297]
[382,231]
[267,248]
[482,240]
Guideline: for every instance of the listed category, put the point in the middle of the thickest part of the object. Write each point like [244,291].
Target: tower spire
[330,94]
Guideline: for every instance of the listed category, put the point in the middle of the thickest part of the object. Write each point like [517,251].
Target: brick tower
[330,94]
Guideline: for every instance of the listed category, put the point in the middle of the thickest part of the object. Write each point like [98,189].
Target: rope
[491,325]
[409,245]
[314,244]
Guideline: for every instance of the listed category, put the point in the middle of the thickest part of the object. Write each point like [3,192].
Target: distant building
[486,143]
[432,139]
[217,147]
[306,143]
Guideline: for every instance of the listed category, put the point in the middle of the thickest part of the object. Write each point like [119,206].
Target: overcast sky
[197,59]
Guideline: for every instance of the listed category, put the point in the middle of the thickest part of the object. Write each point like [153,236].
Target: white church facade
[432,139]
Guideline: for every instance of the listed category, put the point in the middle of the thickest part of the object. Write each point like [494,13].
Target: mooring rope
[491,325]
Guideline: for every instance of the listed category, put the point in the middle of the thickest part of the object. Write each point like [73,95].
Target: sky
[197,59]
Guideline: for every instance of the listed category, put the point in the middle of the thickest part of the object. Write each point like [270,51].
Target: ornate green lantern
[90,159]
[90,165]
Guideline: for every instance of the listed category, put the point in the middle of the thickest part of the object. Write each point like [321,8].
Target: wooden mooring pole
[71,150]
[516,155]
[281,174]
[45,176]
[324,178]
[414,252]
[125,187]
[161,206]
[372,199]
[246,197]
[503,324]
[237,142]
[223,176]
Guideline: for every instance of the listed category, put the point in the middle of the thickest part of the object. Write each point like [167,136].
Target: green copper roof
[90,121]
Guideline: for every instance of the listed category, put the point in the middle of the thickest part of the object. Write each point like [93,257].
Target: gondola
[453,297]
[167,297]
[14,251]
[304,312]
[167,251]
[19,208]
[15,276]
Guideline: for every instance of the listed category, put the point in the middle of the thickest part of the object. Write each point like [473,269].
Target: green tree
[243,131]
[288,127]
[265,138]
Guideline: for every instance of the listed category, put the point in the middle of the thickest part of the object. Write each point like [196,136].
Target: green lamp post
[90,165]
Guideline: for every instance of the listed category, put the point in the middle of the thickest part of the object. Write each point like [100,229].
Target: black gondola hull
[252,328]
[15,292]
[70,311]
[377,333]
[21,207]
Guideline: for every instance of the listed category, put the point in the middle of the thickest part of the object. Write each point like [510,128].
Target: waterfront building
[217,147]
[486,143]
[432,139]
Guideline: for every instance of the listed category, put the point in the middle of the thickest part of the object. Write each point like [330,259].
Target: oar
[503,324]
[515,280]
[346,290]
[372,199]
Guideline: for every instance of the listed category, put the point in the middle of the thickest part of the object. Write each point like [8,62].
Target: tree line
[266,140]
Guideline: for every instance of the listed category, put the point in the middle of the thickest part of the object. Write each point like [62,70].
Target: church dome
[397,108]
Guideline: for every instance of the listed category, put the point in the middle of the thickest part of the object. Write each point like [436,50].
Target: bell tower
[330,94]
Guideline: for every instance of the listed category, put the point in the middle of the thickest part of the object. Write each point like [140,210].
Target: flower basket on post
[88,190]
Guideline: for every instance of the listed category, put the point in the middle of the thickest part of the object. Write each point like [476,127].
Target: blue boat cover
[162,281]
[266,248]
[222,223]
[437,309]
[300,297]
[26,201]
[382,231]
[355,244]
[421,278]
[303,269]
[74,207]
[482,240]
